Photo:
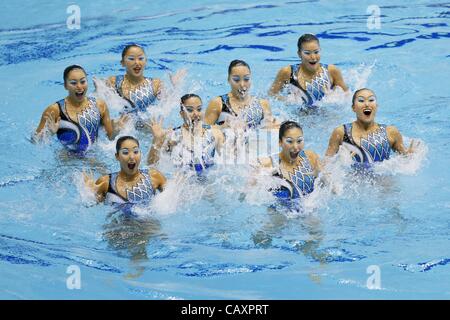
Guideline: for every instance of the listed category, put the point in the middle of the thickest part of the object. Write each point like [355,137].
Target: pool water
[218,239]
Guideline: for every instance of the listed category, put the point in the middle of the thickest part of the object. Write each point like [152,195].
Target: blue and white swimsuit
[198,156]
[253,114]
[316,89]
[299,183]
[79,137]
[374,148]
[140,98]
[141,193]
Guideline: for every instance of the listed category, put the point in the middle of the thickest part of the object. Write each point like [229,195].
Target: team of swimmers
[77,118]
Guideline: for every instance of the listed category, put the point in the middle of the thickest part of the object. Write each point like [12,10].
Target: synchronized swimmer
[367,140]
[296,168]
[130,185]
[238,103]
[310,80]
[141,92]
[77,118]
[193,145]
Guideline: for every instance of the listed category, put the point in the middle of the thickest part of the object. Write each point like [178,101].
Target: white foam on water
[87,196]
[404,164]
[114,102]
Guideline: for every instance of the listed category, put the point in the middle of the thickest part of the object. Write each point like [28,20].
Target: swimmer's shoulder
[158,179]
[265,162]
[285,72]
[52,109]
[393,134]
[213,111]
[336,77]
[312,157]
[111,81]
[101,105]
[332,68]
[390,129]
[215,102]
[103,184]
[338,132]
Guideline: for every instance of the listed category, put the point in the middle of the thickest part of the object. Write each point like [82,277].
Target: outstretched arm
[99,187]
[213,111]
[281,79]
[270,121]
[106,119]
[337,78]
[158,180]
[50,119]
[219,138]
[396,141]
[159,137]
[335,141]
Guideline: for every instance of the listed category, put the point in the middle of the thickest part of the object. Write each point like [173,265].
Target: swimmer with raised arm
[367,140]
[296,168]
[238,103]
[77,118]
[130,185]
[311,79]
[140,91]
[193,144]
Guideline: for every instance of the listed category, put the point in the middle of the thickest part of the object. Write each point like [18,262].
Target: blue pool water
[203,241]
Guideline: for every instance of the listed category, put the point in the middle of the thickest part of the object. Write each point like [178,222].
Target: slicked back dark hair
[236,63]
[285,126]
[188,96]
[70,68]
[129,46]
[122,140]
[358,91]
[307,37]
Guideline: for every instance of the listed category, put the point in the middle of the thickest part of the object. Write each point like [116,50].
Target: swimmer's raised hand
[89,181]
[176,78]
[51,123]
[156,129]
[413,146]
[121,123]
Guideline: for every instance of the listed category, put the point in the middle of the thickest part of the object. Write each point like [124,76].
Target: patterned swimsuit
[253,114]
[79,136]
[315,90]
[140,98]
[299,183]
[374,148]
[141,194]
[198,157]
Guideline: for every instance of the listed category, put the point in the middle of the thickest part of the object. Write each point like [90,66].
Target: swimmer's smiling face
[134,61]
[77,84]
[365,106]
[129,157]
[292,143]
[240,81]
[192,111]
[310,55]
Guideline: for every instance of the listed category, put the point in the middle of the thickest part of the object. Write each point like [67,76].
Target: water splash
[87,196]
[404,164]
